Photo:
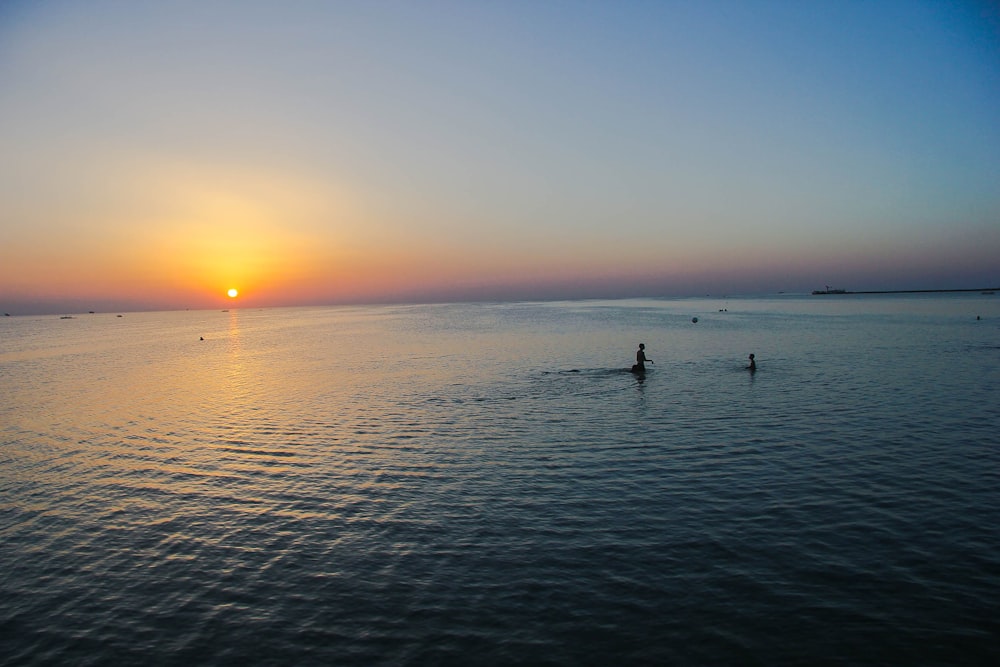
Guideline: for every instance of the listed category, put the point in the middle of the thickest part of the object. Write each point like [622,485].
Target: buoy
[695,320]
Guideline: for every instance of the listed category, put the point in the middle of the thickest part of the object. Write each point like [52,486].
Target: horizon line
[432,302]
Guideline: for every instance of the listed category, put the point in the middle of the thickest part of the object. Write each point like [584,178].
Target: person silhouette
[640,359]
[753,365]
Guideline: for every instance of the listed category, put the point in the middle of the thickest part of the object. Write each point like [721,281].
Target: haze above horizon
[158,155]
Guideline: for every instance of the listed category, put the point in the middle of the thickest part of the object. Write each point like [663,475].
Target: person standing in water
[640,359]
[753,364]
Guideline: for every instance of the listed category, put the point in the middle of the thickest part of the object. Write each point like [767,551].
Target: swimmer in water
[640,359]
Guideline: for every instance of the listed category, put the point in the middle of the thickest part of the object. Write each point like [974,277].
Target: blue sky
[323,152]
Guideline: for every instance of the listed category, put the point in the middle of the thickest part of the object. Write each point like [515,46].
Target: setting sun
[232,292]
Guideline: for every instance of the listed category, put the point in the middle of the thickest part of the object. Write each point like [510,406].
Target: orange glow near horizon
[186,234]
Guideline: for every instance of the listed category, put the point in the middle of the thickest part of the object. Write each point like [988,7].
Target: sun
[233,292]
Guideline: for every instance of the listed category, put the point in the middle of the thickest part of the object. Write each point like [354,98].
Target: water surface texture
[487,484]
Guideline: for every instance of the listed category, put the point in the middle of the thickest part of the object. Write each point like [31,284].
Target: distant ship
[829,291]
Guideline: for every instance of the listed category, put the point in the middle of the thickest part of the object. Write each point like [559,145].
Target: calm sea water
[485,484]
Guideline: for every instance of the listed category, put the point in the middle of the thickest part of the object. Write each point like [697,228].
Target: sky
[155,155]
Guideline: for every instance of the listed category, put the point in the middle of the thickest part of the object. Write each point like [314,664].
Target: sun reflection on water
[234,333]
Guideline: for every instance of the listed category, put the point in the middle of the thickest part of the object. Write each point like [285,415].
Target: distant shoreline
[837,292]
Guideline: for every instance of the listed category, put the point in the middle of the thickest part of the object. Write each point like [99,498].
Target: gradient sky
[153,155]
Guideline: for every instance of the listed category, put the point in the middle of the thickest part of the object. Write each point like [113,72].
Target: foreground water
[485,484]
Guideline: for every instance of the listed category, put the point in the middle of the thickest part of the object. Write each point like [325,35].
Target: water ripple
[262,500]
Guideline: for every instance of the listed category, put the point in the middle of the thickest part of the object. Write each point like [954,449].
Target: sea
[487,484]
